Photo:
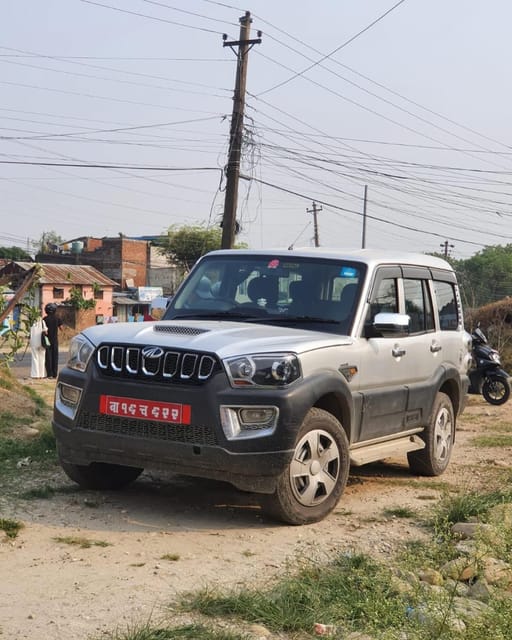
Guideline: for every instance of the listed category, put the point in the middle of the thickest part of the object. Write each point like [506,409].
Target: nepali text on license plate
[145,409]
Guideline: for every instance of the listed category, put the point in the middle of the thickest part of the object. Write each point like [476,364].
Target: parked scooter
[486,375]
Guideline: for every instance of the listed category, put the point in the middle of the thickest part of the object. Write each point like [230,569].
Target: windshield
[288,290]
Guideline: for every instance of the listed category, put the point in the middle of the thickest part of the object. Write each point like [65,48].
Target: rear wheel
[100,475]
[496,390]
[438,436]
[311,485]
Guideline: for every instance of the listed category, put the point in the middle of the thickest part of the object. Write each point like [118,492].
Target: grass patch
[5,383]
[351,589]
[187,632]
[47,492]
[8,420]
[83,543]
[11,528]
[496,440]
[399,512]
[172,557]
[40,403]
[470,504]
[41,448]
[502,427]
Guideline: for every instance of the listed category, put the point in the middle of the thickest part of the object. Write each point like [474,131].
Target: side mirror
[391,324]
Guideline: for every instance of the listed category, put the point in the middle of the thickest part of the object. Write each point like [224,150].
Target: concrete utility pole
[229,224]
[363,239]
[446,247]
[314,211]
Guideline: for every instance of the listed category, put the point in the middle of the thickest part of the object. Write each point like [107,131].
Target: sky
[115,117]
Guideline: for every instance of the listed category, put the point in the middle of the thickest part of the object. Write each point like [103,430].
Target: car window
[384,298]
[447,304]
[418,305]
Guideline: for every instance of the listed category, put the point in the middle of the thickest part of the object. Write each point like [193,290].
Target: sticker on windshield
[348,272]
[273,264]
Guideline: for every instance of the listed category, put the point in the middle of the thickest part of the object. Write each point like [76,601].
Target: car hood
[221,337]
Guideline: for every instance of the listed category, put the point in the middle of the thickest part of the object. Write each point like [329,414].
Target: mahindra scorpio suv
[275,371]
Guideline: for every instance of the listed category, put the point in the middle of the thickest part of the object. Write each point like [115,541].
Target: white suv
[275,371]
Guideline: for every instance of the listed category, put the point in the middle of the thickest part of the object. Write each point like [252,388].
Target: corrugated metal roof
[69,274]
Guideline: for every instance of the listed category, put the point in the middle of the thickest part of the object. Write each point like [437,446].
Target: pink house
[56,283]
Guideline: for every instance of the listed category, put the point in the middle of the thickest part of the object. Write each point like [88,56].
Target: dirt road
[165,535]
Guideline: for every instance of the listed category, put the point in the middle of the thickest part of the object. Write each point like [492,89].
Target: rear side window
[447,305]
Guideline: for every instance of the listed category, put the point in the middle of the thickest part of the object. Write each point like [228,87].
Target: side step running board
[388,449]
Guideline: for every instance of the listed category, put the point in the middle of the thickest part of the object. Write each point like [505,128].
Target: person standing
[53,324]
[37,351]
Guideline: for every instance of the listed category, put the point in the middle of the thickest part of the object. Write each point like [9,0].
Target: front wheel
[496,390]
[438,436]
[100,475]
[312,483]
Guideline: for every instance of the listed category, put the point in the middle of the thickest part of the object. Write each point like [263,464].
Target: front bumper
[197,449]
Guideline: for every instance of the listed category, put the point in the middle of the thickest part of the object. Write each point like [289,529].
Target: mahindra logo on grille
[152,352]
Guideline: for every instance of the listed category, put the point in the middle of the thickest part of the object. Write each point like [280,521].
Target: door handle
[398,352]
[435,347]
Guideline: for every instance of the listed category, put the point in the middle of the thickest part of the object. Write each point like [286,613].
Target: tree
[15,253]
[45,242]
[487,276]
[185,245]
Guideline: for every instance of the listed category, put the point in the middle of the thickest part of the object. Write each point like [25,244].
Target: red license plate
[145,409]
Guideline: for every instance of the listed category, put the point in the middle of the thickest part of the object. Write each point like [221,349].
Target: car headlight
[267,370]
[80,352]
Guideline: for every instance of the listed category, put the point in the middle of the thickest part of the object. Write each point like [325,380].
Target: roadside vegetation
[27,445]
[430,591]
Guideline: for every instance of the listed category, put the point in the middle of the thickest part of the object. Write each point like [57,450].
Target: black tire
[438,436]
[100,475]
[312,484]
[496,390]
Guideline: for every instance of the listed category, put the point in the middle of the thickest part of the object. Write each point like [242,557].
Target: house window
[58,293]
[98,294]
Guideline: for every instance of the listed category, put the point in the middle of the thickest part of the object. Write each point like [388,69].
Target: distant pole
[315,211]
[446,246]
[363,239]
[229,225]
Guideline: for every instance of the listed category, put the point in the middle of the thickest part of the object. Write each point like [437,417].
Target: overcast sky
[414,103]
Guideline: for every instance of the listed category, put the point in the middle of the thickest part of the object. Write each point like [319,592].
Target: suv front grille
[151,362]
[147,429]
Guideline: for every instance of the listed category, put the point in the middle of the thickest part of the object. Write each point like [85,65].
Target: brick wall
[121,259]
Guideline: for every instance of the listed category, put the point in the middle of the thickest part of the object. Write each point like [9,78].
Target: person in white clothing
[37,351]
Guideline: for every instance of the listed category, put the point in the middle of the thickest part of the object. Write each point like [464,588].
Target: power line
[117,58]
[190,13]
[144,15]
[116,130]
[92,165]
[367,78]
[99,97]
[34,54]
[328,55]
[359,213]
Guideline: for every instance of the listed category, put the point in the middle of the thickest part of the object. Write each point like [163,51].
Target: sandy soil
[171,534]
